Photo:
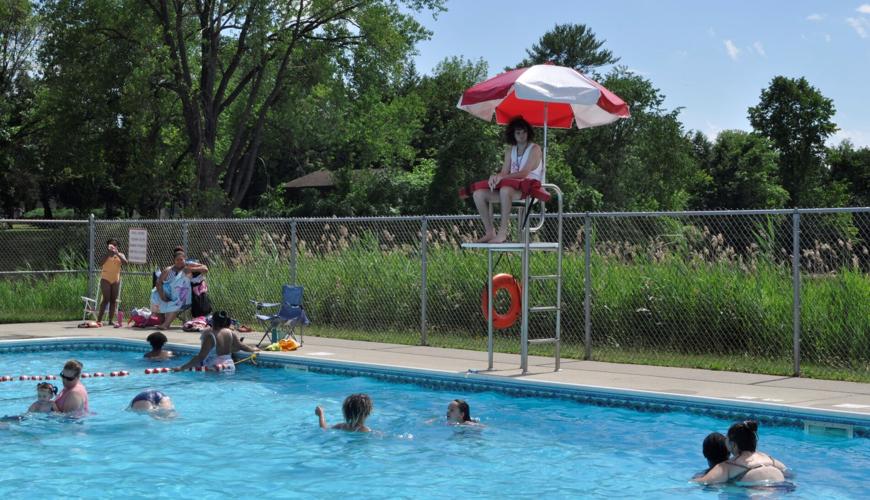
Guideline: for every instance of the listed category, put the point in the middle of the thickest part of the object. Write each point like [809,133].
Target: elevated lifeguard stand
[526,247]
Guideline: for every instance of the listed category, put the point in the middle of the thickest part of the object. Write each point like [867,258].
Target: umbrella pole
[545,145]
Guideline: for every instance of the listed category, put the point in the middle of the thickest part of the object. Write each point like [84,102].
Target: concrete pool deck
[825,395]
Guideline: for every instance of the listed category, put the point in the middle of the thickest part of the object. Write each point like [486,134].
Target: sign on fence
[138,250]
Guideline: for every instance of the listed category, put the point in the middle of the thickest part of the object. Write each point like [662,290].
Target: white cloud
[859,24]
[712,130]
[864,8]
[732,50]
[760,49]
[859,138]
[815,17]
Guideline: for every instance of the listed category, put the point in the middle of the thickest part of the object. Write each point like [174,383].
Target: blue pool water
[254,434]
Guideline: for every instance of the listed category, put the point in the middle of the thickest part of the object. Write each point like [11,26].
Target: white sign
[138,251]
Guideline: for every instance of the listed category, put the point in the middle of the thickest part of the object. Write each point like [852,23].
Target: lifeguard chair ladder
[525,247]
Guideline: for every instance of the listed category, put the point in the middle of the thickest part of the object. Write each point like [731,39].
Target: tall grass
[660,309]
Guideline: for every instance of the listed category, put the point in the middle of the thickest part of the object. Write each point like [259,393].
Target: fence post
[184,233]
[92,235]
[796,288]
[424,340]
[587,285]
[293,252]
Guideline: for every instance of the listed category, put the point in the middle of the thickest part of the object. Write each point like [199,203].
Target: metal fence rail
[789,289]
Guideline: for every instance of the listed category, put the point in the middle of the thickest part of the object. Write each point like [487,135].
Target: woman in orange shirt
[110,280]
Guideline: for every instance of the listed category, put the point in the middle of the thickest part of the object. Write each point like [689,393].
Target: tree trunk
[45,198]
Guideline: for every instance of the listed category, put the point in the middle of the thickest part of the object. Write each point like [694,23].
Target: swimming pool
[254,434]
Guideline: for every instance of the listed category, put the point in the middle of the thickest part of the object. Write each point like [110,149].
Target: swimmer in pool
[154,403]
[715,449]
[45,394]
[356,409]
[458,413]
[157,340]
[748,465]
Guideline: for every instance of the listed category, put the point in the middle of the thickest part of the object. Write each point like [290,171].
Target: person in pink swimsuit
[73,400]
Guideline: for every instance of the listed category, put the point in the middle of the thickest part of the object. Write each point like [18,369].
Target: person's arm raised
[321,417]
[197,268]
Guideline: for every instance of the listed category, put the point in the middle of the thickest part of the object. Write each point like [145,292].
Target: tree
[571,45]
[851,167]
[243,54]
[797,119]
[103,78]
[19,33]
[643,163]
[743,170]
[465,148]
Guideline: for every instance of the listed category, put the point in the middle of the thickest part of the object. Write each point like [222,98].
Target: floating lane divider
[9,378]
[119,373]
[215,368]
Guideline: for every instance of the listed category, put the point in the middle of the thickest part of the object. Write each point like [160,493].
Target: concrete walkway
[849,397]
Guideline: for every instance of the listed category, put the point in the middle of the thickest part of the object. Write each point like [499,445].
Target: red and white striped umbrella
[545,95]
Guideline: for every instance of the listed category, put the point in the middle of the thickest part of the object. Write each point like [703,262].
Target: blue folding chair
[289,316]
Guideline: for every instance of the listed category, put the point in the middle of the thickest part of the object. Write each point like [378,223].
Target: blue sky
[712,58]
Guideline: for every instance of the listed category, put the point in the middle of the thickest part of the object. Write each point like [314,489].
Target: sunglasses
[68,379]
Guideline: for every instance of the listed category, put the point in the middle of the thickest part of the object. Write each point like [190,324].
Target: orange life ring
[512,287]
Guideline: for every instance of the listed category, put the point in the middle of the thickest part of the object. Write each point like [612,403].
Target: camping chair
[91,306]
[289,316]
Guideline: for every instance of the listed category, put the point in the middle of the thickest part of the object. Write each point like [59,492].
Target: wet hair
[47,386]
[156,339]
[74,365]
[356,408]
[220,320]
[714,448]
[112,241]
[516,123]
[744,435]
[463,407]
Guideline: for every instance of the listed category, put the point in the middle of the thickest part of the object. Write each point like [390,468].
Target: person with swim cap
[155,403]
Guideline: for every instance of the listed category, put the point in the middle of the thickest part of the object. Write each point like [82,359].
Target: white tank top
[517,164]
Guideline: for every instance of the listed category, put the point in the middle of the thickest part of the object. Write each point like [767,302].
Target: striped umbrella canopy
[545,95]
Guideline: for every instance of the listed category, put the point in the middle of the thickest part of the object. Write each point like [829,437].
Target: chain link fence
[720,290]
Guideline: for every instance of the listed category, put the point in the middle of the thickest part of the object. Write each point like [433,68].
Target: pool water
[254,434]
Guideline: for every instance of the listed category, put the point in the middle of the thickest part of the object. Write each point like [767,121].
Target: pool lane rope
[122,373]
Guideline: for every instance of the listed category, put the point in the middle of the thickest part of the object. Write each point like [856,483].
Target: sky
[712,58]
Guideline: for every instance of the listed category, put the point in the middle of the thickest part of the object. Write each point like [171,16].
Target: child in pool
[157,340]
[458,413]
[356,409]
[715,450]
[45,394]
